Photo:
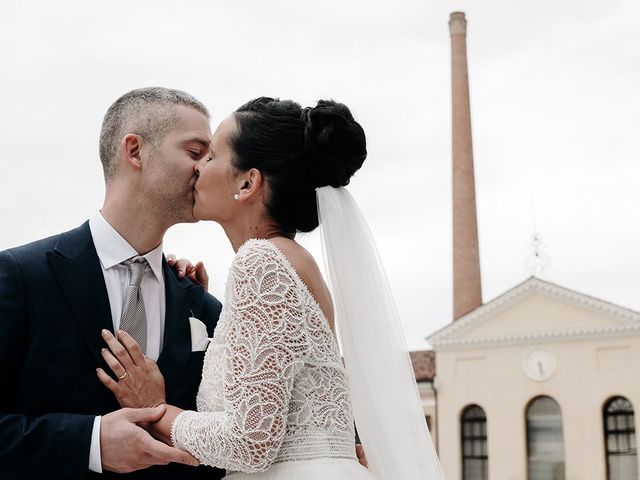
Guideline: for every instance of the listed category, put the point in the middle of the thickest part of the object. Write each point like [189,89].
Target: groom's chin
[189,216]
[186,219]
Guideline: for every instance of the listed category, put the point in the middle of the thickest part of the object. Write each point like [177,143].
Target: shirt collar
[112,249]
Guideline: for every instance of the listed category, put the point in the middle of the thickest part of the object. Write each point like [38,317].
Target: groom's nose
[196,169]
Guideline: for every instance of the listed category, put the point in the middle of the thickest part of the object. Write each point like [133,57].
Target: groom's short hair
[148,112]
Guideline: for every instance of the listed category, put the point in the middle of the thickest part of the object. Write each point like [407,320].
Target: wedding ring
[123,375]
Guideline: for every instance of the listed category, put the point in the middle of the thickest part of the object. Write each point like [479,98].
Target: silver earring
[236,197]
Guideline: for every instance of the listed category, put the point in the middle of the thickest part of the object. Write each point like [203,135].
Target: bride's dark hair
[297,149]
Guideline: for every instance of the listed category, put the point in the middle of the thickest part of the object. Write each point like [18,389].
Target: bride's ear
[251,185]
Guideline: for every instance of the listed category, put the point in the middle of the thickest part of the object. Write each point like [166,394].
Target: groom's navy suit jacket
[53,305]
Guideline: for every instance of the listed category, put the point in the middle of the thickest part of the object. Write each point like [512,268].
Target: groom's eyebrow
[205,143]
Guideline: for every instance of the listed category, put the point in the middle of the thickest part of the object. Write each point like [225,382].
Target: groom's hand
[126,447]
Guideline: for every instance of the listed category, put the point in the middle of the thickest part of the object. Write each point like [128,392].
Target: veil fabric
[386,403]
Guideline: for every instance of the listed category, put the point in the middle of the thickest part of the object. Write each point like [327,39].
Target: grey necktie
[134,318]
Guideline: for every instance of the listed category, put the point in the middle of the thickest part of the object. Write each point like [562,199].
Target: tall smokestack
[467,289]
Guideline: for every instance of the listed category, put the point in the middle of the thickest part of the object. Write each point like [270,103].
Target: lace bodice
[273,385]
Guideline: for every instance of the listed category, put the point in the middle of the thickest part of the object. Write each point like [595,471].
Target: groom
[57,294]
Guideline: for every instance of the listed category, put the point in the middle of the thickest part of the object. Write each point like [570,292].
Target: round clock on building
[539,365]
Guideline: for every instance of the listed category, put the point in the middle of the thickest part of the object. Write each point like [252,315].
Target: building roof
[424,365]
[624,320]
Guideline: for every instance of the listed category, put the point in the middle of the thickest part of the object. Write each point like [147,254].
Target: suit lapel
[183,299]
[76,266]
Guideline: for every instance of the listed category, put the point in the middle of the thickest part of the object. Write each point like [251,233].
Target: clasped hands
[140,382]
[125,442]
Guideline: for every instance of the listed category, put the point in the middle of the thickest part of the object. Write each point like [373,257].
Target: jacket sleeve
[211,308]
[50,445]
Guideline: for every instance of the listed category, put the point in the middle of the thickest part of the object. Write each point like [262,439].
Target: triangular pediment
[535,311]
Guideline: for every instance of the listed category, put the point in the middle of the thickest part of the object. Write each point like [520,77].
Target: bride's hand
[140,383]
[184,267]
[361,456]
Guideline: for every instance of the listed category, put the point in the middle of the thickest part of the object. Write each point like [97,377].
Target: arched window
[620,439]
[475,464]
[545,441]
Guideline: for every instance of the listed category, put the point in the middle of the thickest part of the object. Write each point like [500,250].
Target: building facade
[540,383]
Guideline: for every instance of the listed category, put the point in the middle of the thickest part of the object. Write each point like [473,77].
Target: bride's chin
[201,214]
[198,214]
[202,211]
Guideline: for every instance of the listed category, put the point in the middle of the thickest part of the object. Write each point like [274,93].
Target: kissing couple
[115,360]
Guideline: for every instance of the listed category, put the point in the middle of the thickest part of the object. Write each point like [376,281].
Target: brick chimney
[467,289]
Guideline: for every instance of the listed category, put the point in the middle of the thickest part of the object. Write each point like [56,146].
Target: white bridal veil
[386,402]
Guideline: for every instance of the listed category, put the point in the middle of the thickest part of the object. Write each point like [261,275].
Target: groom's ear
[132,145]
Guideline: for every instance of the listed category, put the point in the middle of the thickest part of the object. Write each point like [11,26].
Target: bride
[276,400]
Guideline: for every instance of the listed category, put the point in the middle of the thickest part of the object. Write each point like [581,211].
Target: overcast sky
[555,108]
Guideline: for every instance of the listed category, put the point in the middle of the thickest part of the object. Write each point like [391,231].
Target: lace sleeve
[263,351]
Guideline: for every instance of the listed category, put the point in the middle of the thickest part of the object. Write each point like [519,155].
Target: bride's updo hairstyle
[297,150]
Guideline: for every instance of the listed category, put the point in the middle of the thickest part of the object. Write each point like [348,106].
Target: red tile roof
[424,365]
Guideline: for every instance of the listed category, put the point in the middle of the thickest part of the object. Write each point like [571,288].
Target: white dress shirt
[112,250]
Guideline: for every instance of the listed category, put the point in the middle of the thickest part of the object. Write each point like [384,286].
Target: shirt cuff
[95,460]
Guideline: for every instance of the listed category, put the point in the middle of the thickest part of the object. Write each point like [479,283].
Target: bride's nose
[200,163]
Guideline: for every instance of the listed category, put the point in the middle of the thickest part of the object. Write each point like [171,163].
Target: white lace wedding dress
[274,400]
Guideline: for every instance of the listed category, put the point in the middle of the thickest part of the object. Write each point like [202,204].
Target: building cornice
[627,322]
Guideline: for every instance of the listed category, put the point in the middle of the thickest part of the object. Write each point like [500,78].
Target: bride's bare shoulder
[298,256]
[307,269]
